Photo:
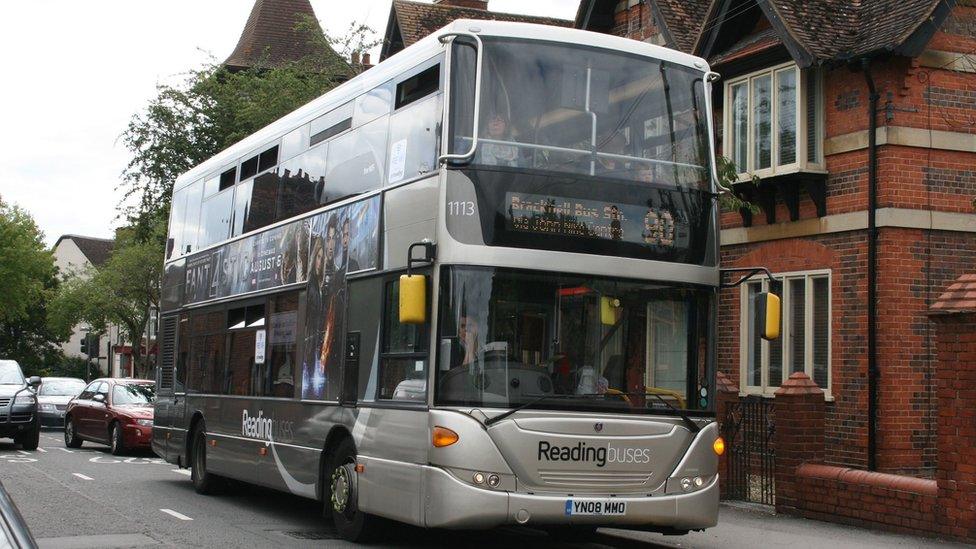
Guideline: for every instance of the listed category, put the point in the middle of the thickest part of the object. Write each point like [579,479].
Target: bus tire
[203,482]
[342,501]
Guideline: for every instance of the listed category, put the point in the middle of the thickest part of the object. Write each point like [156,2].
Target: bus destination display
[574,217]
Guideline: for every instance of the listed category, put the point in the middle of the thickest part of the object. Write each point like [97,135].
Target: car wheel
[29,439]
[343,497]
[115,437]
[71,439]
[203,482]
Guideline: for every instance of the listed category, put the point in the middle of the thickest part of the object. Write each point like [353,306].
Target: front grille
[19,417]
[589,479]
[4,402]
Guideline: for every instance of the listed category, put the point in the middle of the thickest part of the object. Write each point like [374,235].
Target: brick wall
[956,380]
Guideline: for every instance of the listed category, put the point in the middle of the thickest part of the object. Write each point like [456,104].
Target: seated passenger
[499,154]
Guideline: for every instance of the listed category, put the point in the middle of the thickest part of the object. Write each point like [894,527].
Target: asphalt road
[89,498]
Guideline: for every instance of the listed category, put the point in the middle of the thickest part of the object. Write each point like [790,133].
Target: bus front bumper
[451,503]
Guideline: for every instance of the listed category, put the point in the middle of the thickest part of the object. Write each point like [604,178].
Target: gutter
[872,311]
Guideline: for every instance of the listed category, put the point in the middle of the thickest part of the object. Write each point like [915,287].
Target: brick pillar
[799,435]
[955,378]
[725,393]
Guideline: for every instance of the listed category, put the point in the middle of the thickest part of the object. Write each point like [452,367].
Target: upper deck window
[416,87]
[566,108]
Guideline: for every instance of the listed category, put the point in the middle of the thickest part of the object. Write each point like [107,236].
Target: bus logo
[598,426]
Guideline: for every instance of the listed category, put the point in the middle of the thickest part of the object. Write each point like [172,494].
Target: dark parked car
[13,529]
[117,412]
[53,398]
[18,406]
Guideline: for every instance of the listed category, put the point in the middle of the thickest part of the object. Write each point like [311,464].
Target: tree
[124,292]
[214,107]
[27,281]
[25,263]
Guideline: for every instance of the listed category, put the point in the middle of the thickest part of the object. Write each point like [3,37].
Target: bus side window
[357,160]
[403,358]
[413,140]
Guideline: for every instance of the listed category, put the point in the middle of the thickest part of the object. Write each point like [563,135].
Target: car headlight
[44,407]
[145,422]
[25,399]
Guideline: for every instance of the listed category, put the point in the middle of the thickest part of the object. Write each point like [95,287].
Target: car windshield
[61,387]
[508,337]
[133,393]
[558,107]
[10,373]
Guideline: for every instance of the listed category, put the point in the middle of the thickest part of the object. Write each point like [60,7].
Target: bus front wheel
[203,482]
[343,496]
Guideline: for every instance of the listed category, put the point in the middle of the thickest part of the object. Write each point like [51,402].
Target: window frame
[389,280]
[801,162]
[745,332]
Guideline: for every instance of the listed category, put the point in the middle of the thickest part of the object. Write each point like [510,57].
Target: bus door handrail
[477,96]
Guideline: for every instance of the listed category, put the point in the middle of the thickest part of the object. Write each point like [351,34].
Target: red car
[117,412]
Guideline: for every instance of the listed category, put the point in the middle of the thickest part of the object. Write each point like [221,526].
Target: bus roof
[410,57]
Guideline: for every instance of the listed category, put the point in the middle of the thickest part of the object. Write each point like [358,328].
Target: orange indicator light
[719,446]
[443,437]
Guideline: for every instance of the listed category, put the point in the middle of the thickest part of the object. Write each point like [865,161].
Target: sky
[76,72]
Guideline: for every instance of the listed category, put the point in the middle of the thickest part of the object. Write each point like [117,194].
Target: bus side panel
[392,444]
[410,212]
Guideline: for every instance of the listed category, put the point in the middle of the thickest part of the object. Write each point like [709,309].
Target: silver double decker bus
[475,285]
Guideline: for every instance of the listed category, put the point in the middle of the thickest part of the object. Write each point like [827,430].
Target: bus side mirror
[608,310]
[768,315]
[413,299]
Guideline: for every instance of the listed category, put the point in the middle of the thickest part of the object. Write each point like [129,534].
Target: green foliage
[62,366]
[728,177]
[27,281]
[214,107]
[25,263]
[124,291]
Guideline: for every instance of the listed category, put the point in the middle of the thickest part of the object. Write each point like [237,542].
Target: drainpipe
[872,261]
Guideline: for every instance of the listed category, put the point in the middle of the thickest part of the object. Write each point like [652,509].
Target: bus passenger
[499,154]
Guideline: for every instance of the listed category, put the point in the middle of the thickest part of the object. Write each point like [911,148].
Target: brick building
[411,21]
[803,83]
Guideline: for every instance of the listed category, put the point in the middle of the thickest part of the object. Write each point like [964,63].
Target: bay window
[773,120]
[804,344]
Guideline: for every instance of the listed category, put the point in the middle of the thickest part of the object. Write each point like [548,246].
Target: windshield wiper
[503,415]
[684,416]
[692,426]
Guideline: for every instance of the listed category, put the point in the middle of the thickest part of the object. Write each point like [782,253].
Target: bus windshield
[508,337]
[588,111]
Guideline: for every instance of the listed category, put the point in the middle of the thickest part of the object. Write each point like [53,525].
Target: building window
[773,119]
[804,343]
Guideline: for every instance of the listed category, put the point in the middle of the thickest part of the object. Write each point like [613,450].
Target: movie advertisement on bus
[344,240]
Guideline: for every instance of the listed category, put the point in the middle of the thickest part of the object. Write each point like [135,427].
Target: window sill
[768,173]
[767,394]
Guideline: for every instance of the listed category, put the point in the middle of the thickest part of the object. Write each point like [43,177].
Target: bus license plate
[602,507]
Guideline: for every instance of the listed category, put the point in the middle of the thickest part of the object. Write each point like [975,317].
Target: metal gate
[748,430]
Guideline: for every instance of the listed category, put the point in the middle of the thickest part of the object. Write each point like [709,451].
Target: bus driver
[464,349]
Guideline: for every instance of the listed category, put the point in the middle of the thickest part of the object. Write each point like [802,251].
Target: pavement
[81,498]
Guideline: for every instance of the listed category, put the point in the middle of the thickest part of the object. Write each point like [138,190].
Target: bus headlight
[692,483]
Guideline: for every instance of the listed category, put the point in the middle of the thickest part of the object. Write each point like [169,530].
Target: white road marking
[24,453]
[65,450]
[182,471]
[42,450]
[82,477]
[171,512]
